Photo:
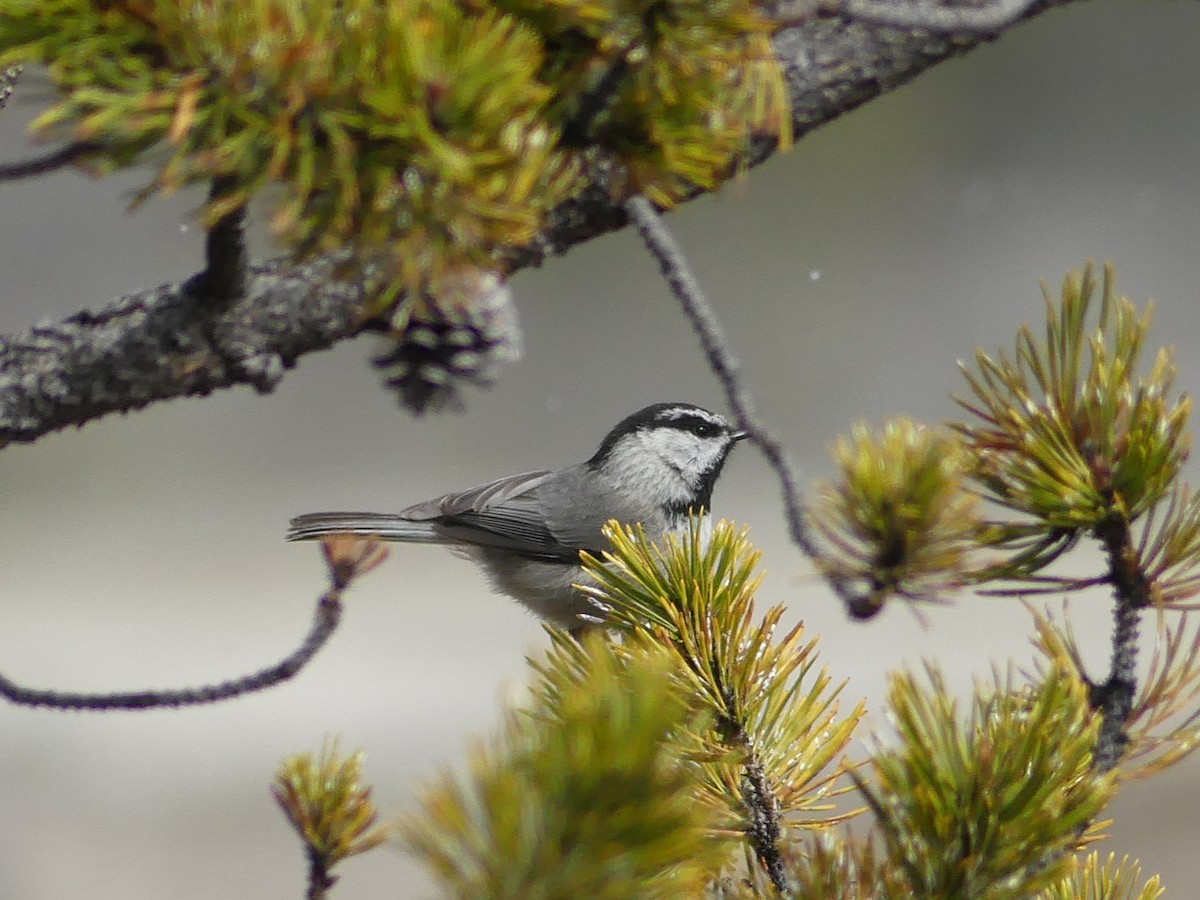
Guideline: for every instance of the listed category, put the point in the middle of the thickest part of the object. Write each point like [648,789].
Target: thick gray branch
[169,342]
[165,342]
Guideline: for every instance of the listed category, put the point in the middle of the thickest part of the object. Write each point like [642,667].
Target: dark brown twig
[346,559]
[319,879]
[764,823]
[227,261]
[1131,594]
[46,163]
[325,621]
[678,274]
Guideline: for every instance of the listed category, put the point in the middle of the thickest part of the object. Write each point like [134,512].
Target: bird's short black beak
[739,435]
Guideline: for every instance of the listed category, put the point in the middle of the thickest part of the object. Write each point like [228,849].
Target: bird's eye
[705,430]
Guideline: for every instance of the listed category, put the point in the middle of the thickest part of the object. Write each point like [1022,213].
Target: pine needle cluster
[1066,433]
[1092,879]
[327,805]
[583,794]
[1070,437]
[899,519]
[430,136]
[1066,440]
[646,763]
[989,806]
[690,750]
[700,711]
[775,726]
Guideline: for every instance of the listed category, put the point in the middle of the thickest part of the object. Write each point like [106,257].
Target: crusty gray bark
[167,342]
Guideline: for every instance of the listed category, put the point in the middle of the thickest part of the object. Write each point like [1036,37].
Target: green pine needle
[1066,433]
[899,519]
[423,134]
[584,794]
[1111,880]
[325,802]
[767,701]
[990,806]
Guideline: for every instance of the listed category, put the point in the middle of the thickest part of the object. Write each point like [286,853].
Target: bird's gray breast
[581,500]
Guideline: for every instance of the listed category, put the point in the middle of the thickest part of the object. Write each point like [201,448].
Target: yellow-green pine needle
[989,805]
[1096,879]
[1066,433]
[326,803]
[766,699]
[899,518]
[584,794]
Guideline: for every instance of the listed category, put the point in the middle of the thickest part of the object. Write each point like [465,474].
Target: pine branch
[765,821]
[319,879]
[325,622]
[1115,696]
[994,803]
[774,729]
[586,792]
[159,344]
[346,558]
[166,342]
[330,810]
[1074,441]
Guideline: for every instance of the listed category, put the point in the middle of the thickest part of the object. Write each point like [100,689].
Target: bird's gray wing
[506,513]
[476,499]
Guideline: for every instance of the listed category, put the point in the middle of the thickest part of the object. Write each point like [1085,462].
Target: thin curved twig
[46,163]
[325,622]
[346,559]
[676,270]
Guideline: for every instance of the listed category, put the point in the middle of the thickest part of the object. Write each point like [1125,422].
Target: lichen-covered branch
[168,342]
[161,343]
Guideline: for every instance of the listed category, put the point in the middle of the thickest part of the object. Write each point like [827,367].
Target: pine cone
[457,338]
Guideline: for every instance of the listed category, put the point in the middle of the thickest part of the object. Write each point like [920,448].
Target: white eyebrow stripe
[688,412]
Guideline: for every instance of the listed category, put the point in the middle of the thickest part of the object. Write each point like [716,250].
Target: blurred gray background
[851,274]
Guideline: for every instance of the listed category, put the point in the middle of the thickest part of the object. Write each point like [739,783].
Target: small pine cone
[457,338]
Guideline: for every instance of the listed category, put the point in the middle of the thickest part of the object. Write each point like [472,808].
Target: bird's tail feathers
[385,526]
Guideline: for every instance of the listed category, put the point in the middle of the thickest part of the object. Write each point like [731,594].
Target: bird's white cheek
[655,471]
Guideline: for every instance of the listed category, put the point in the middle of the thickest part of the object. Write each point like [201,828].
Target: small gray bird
[527,530]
